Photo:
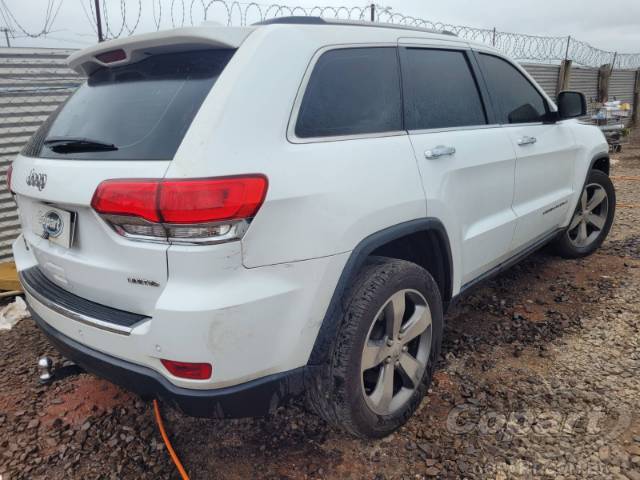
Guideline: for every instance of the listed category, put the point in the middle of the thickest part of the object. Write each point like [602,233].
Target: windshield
[140,111]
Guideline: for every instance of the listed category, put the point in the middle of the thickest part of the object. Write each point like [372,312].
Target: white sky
[616,27]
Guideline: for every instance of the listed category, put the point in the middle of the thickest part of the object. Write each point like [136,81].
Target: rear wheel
[592,219]
[384,352]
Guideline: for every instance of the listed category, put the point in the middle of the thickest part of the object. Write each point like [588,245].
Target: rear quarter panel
[324,197]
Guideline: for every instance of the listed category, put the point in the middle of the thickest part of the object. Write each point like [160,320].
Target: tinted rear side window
[440,90]
[352,91]
[516,97]
[144,109]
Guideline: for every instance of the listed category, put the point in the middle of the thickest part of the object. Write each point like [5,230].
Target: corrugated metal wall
[621,85]
[33,82]
[546,76]
[585,80]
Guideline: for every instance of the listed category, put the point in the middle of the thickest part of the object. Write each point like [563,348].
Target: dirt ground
[539,378]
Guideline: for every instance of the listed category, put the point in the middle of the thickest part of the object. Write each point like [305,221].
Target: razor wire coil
[180,13]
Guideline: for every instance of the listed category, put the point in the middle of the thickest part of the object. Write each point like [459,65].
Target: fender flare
[324,339]
[594,160]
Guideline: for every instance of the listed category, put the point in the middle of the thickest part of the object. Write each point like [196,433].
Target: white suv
[229,217]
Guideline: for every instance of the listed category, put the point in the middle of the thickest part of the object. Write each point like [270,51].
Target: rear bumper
[248,323]
[255,398]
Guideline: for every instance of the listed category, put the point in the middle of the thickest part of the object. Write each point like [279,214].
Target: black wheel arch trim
[596,158]
[358,257]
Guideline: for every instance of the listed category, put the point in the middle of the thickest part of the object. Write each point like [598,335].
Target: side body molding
[358,256]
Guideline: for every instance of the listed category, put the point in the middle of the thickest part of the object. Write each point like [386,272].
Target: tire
[569,244]
[348,398]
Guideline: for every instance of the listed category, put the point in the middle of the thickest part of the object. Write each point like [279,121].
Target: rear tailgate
[99,265]
[126,122]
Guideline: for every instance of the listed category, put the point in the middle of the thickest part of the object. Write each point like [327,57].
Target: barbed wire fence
[126,17]
[14,28]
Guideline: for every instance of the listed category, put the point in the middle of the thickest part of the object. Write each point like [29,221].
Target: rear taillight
[136,198]
[9,174]
[199,201]
[192,371]
[204,210]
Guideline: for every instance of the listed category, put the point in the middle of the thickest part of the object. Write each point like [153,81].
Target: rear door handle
[439,151]
[526,140]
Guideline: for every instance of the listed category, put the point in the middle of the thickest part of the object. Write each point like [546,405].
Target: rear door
[546,152]
[467,162]
[124,122]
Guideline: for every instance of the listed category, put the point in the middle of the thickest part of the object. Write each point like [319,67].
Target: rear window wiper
[71,144]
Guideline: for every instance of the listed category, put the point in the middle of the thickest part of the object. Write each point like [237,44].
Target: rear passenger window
[440,90]
[512,92]
[352,91]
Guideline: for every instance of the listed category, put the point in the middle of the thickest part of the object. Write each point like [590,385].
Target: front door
[546,152]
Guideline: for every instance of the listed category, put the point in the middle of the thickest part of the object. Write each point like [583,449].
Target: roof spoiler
[132,49]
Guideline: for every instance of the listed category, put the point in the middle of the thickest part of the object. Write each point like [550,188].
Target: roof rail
[295,20]
[303,20]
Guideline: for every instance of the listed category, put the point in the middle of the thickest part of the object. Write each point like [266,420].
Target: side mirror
[571,105]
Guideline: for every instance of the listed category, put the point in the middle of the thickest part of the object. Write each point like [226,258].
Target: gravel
[539,377]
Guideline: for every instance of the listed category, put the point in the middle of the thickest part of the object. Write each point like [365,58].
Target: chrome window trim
[344,138]
[295,110]
[454,129]
[407,43]
[473,127]
[71,314]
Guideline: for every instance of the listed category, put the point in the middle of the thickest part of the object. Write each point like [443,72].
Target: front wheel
[592,219]
[384,352]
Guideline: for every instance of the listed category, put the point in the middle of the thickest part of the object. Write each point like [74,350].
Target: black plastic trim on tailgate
[78,308]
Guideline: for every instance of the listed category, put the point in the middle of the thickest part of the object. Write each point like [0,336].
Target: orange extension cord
[165,437]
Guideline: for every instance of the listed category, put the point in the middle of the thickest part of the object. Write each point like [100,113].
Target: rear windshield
[139,111]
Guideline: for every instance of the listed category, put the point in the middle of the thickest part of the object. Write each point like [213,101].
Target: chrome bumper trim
[78,317]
